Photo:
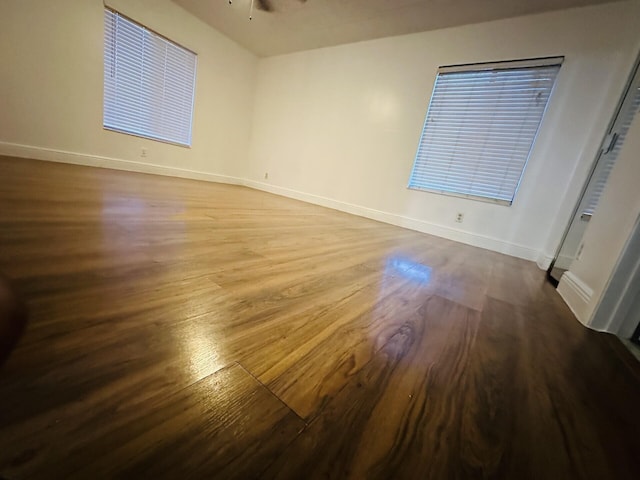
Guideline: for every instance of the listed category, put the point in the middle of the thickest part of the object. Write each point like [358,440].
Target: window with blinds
[148,82]
[609,157]
[480,128]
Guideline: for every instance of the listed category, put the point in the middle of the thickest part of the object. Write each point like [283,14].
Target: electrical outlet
[266,175]
[459,217]
[143,152]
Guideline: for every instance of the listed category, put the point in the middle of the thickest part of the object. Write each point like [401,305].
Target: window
[480,128]
[148,82]
[613,145]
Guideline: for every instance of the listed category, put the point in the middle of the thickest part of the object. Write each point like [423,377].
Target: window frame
[482,67]
[193,94]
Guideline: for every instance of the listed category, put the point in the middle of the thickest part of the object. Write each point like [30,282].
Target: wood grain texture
[189,329]
[229,409]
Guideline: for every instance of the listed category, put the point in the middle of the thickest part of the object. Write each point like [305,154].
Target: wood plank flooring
[183,329]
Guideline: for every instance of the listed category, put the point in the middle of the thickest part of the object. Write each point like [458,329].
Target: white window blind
[148,82]
[480,127]
[610,158]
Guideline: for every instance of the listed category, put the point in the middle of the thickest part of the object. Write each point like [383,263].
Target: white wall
[606,235]
[51,84]
[339,126]
[336,126]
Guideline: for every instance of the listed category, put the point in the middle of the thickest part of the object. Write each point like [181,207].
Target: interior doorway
[619,309]
[571,245]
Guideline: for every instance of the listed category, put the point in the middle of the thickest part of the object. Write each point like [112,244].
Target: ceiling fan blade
[265,5]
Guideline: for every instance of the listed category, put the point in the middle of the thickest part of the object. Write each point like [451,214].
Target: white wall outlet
[266,175]
[143,152]
[459,217]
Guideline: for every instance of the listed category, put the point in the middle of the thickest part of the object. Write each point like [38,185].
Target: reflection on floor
[190,329]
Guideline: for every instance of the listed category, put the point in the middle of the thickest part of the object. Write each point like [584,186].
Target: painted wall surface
[51,84]
[340,126]
[337,126]
[609,229]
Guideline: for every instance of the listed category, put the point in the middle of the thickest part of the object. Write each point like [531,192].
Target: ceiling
[295,25]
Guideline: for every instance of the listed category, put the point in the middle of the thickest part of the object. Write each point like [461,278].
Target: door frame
[615,312]
[635,70]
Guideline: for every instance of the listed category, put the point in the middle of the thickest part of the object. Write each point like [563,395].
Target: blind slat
[479,130]
[149,82]
[611,157]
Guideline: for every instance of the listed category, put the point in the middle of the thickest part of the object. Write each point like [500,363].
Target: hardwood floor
[188,329]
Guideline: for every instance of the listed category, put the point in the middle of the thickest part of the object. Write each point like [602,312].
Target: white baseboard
[482,241]
[476,240]
[544,260]
[62,156]
[576,295]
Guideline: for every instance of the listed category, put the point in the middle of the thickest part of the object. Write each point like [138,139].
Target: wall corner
[577,295]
